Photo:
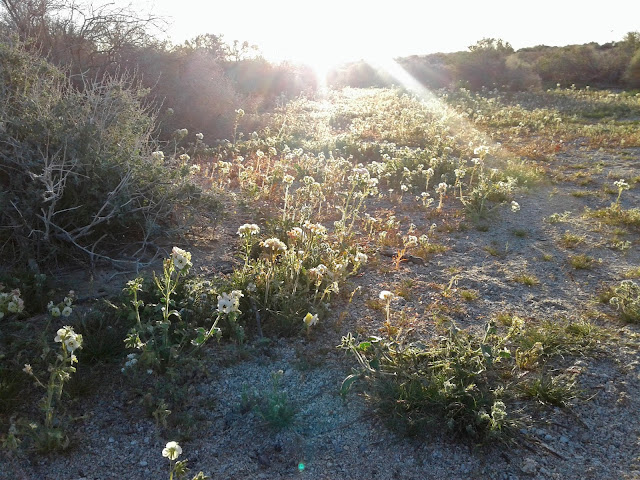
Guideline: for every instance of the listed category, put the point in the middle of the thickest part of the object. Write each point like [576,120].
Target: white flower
[184,157]
[229,302]
[172,450]
[27,369]
[361,257]
[66,311]
[199,136]
[55,312]
[515,206]
[288,179]
[482,150]
[360,172]
[621,184]
[248,229]
[225,304]
[60,335]
[411,241]
[386,296]
[315,228]
[274,245]
[442,188]
[181,258]
[158,155]
[310,320]
[73,342]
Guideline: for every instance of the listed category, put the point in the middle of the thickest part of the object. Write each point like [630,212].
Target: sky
[333,31]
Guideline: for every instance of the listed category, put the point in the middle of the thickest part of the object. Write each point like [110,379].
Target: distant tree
[632,74]
[84,35]
[209,44]
[496,45]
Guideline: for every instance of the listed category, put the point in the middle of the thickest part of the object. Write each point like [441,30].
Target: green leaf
[347,383]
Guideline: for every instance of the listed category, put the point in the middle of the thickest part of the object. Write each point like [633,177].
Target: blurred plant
[10,302]
[622,186]
[274,407]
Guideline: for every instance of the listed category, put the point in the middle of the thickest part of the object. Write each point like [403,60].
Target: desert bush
[461,379]
[626,300]
[76,168]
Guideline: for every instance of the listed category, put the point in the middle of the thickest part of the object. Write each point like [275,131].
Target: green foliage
[273,407]
[466,381]
[75,165]
[626,299]
[288,280]
[550,390]
[50,434]
[161,334]
[581,261]
[452,382]
[632,73]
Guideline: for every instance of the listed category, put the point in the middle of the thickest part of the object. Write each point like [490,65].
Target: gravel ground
[597,437]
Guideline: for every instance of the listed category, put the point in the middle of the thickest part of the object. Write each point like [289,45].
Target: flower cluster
[181,258]
[318,272]
[621,184]
[64,308]
[132,359]
[229,302]
[70,339]
[248,229]
[274,246]
[315,228]
[10,302]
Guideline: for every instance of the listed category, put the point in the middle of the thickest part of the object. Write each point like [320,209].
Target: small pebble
[529,466]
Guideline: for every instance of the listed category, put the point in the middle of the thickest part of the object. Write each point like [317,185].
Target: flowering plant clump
[621,185]
[10,302]
[50,436]
[626,300]
[248,229]
[229,310]
[157,340]
[274,246]
[63,308]
[178,469]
